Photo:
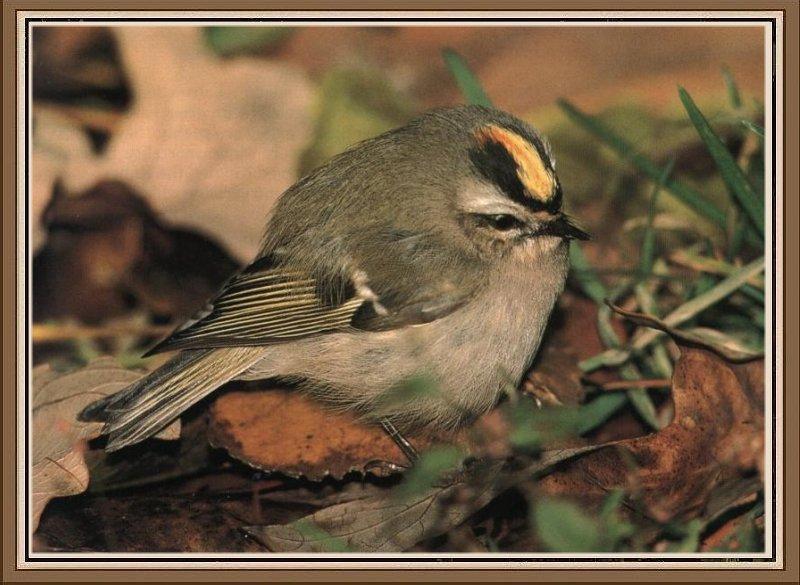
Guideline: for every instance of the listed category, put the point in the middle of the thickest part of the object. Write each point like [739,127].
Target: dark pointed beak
[562,227]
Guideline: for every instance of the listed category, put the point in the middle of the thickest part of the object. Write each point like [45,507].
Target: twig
[54,332]
[627,384]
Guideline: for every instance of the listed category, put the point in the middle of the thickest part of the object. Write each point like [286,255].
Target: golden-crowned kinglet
[437,249]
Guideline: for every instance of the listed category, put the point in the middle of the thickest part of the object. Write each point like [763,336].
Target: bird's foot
[383,468]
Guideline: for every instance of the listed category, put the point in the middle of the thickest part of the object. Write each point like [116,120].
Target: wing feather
[413,280]
[258,307]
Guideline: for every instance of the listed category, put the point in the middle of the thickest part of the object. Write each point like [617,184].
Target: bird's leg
[406,447]
[402,443]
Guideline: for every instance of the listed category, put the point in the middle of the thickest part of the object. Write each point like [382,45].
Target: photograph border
[407,559]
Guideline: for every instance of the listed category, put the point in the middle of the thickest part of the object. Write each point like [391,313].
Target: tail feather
[103,410]
[150,404]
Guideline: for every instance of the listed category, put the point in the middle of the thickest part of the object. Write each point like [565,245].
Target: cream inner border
[466,560]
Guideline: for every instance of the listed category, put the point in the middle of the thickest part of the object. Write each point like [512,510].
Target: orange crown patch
[538,180]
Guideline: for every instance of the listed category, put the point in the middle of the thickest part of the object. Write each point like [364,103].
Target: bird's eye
[501,222]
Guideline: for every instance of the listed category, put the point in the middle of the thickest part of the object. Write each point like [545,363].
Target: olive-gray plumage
[436,249]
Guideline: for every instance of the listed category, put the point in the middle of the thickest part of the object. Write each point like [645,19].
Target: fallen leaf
[385,523]
[206,138]
[107,252]
[703,460]
[281,430]
[58,438]
[715,438]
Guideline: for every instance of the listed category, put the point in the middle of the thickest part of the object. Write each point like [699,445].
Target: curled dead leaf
[58,438]
[280,430]
[715,438]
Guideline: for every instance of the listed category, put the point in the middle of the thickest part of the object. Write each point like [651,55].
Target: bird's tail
[148,405]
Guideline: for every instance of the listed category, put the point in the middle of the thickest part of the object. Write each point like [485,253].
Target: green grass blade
[737,227]
[644,406]
[237,40]
[690,258]
[647,304]
[469,85]
[599,410]
[700,303]
[649,242]
[754,293]
[734,97]
[610,358]
[595,289]
[715,294]
[644,337]
[626,151]
[736,181]
[639,397]
[604,313]
[754,128]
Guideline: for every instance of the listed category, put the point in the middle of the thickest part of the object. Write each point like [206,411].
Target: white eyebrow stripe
[480,197]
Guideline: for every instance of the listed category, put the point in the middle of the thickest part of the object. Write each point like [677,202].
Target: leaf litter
[57,457]
[714,444]
[200,169]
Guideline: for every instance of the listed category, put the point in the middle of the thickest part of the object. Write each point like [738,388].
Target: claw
[384,467]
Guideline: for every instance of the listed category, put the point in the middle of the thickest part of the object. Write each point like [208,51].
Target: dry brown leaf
[281,430]
[58,438]
[108,251]
[387,523]
[716,437]
[211,142]
[75,61]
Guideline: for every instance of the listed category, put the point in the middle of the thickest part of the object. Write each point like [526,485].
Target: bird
[435,251]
